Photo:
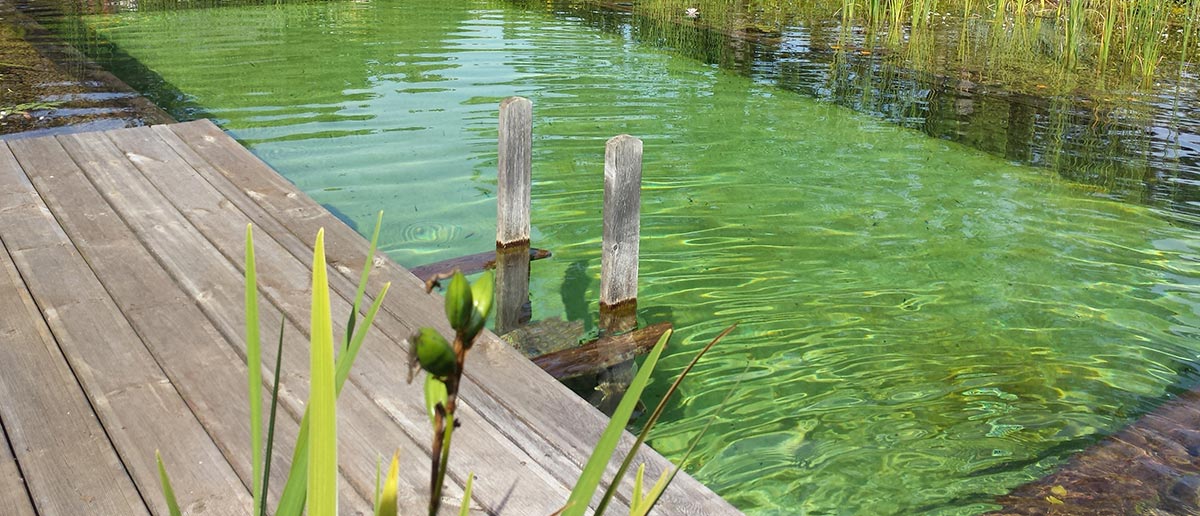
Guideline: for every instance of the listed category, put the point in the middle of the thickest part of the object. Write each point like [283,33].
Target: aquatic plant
[312,481]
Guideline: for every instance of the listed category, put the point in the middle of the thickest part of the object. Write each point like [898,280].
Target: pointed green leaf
[387,501]
[254,372]
[168,492]
[650,422]
[465,508]
[435,393]
[345,361]
[266,475]
[362,279]
[592,472]
[322,444]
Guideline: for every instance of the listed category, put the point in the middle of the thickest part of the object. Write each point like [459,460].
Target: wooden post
[619,260]
[622,213]
[514,177]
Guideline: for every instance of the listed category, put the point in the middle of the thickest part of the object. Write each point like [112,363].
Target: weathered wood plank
[208,278]
[136,402]
[53,431]
[497,463]
[598,355]
[512,288]
[203,367]
[469,264]
[14,496]
[534,411]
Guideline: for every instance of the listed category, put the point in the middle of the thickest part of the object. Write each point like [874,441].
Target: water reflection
[1135,147]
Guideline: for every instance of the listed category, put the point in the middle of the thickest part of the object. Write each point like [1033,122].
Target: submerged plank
[539,415]
[139,407]
[13,494]
[69,464]
[496,462]
[1150,467]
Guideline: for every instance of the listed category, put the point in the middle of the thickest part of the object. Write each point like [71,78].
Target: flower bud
[458,302]
[434,353]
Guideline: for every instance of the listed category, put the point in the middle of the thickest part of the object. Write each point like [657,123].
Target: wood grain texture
[469,264]
[215,285]
[622,221]
[512,288]
[514,172]
[538,415]
[600,354]
[14,496]
[204,367]
[54,432]
[140,408]
[478,448]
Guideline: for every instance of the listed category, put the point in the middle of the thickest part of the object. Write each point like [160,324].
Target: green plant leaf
[168,492]
[653,419]
[592,472]
[266,476]
[637,488]
[254,372]
[435,393]
[345,361]
[387,500]
[642,506]
[322,444]
[362,280]
[465,508]
[291,503]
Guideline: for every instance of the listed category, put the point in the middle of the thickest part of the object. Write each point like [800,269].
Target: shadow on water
[1137,147]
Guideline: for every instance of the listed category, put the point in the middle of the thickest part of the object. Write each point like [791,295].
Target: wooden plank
[600,354]
[622,233]
[207,277]
[528,406]
[54,433]
[497,463]
[13,493]
[514,172]
[1150,467]
[136,402]
[214,217]
[205,369]
[469,264]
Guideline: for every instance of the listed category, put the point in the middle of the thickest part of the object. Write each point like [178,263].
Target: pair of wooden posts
[553,344]
[622,213]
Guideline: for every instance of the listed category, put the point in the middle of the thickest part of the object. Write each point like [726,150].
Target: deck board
[137,235]
[54,432]
[140,407]
[14,496]
[520,409]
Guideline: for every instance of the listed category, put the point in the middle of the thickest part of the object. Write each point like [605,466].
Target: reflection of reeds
[1106,42]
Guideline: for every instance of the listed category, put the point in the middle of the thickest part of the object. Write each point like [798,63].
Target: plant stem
[443,424]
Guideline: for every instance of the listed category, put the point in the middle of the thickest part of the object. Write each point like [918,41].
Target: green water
[923,326]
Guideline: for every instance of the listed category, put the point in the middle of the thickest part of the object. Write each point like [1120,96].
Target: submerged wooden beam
[598,355]
[469,264]
[1150,467]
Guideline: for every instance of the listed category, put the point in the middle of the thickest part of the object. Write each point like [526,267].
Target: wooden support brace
[469,264]
[598,355]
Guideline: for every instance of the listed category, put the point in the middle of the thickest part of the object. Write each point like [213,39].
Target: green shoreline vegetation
[1049,46]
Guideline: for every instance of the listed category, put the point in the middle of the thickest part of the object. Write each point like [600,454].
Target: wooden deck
[121,316]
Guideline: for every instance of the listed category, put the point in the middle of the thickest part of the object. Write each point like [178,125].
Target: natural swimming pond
[924,325]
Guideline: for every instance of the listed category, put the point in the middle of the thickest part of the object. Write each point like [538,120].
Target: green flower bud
[482,294]
[434,353]
[458,302]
